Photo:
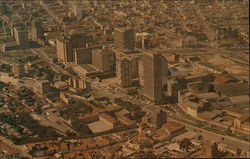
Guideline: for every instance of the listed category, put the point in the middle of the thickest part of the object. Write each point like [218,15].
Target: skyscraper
[64,50]
[124,72]
[154,75]
[158,119]
[36,30]
[124,38]
[104,59]
[21,37]
[65,45]
[82,56]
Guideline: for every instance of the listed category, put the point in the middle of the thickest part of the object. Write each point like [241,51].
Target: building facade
[124,38]
[154,76]
[83,56]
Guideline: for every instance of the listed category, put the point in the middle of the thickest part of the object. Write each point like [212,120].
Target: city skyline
[124,79]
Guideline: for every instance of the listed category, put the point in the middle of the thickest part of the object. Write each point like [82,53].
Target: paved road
[104,90]
[42,54]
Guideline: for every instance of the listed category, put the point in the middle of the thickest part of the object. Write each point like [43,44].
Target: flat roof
[236,110]
[99,126]
[172,126]
[233,89]
[208,95]
[108,117]
[240,99]
[196,75]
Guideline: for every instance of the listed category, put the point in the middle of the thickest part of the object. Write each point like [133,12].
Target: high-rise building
[21,37]
[124,38]
[82,56]
[64,50]
[135,67]
[36,30]
[154,76]
[158,119]
[173,88]
[66,45]
[124,72]
[103,59]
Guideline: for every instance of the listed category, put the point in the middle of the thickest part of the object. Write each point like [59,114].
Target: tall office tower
[103,59]
[124,38]
[135,67]
[36,30]
[64,50]
[154,76]
[77,11]
[124,72]
[21,37]
[65,45]
[82,56]
[158,119]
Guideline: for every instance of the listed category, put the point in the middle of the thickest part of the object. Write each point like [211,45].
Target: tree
[185,144]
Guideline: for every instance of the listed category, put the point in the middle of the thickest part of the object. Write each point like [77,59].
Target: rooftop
[108,117]
[240,99]
[99,126]
[208,95]
[172,126]
[233,89]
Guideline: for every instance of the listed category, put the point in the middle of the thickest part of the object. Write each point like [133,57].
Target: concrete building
[36,30]
[103,59]
[154,76]
[21,37]
[18,69]
[42,87]
[82,56]
[84,84]
[173,88]
[159,119]
[79,84]
[64,50]
[174,128]
[135,67]
[124,72]
[232,89]
[109,120]
[124,38]
[65,45]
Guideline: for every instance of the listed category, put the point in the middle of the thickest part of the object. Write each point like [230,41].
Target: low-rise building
[108,120]
[174,128]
